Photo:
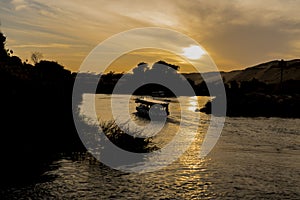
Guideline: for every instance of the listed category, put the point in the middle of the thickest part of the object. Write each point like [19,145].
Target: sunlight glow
[193,52]
[193,101]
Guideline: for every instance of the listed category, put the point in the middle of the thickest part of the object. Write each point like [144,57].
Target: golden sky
[235,33]
[149,55]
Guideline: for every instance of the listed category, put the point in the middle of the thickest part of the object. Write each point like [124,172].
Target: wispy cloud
[19,4]
[49,45]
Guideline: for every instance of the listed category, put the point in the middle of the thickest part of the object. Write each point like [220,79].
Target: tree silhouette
[152,79]
[36,57]
[140,69]
[161,62]
[3,52]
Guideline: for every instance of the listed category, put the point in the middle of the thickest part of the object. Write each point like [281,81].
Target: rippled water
[255,158]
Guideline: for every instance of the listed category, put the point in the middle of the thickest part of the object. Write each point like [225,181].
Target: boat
[152,108]
[159,95]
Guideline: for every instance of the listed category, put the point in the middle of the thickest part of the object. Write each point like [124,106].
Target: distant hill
[268,73]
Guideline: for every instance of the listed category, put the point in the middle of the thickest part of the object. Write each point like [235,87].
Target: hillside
[268,73]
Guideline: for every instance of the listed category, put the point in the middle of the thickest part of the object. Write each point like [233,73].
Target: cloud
[19,4]
[236,32]
[46,45]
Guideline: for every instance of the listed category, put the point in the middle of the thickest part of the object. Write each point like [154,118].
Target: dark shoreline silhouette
[259,105]
[36,116]
[249,96]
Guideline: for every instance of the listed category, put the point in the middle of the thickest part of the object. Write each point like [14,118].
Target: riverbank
[259,105]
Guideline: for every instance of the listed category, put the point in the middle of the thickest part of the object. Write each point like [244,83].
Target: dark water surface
[255,158]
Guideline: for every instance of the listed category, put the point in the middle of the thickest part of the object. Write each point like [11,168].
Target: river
[255,158]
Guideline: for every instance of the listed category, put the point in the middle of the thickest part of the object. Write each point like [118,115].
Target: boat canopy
[151,102]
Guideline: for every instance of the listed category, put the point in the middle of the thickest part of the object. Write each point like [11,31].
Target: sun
[193,52]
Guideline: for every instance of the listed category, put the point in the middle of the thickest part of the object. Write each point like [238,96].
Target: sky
[235,33]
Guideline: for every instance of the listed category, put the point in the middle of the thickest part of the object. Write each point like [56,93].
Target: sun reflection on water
[193,103]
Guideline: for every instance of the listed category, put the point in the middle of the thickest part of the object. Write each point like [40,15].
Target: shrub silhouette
[118,136]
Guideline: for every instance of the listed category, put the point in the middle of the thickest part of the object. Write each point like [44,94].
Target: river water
[255,158]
